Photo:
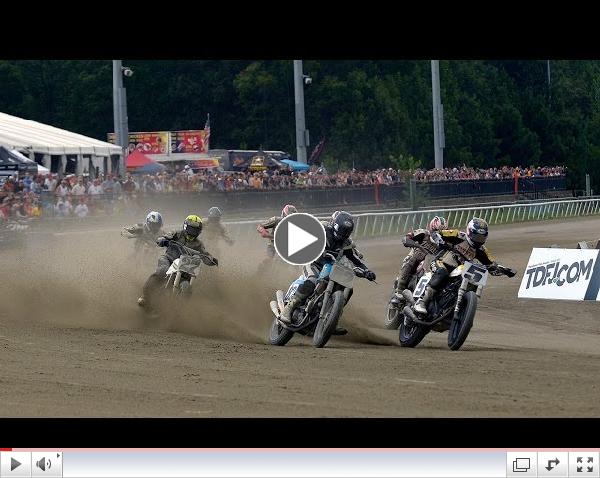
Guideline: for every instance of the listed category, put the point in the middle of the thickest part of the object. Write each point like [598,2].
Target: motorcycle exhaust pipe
[274,309]
[279,295]
[409,312]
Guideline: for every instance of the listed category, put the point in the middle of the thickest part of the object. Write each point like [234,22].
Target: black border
[302,433]
[308,30]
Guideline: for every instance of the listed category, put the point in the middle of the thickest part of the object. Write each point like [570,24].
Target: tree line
[496,113]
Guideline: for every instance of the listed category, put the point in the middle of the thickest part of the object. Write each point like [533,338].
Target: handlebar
[190,251]
[502,270]
[495,270]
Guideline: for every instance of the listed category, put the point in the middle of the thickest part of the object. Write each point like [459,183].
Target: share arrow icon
[550,467]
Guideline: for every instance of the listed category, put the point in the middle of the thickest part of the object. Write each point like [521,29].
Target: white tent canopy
[21,134]
[41,169]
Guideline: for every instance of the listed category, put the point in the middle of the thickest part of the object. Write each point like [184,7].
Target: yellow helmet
[192,225]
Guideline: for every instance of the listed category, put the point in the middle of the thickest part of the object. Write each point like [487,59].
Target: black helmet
[343,225]
[214,212]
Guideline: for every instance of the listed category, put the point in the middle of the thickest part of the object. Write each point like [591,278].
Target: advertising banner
[192,141]
[148,143]
[567,274]
[253,161]
[206,163]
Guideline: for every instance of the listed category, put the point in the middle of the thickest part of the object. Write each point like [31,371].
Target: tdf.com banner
[568,274]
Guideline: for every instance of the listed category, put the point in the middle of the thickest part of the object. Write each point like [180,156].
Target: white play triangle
[298,239]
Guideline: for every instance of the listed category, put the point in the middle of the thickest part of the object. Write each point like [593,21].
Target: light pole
[120,111]
[302,139]
[438,116]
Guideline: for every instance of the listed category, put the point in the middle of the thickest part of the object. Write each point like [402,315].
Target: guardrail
[379,224]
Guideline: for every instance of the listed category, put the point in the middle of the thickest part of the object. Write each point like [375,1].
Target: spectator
[81,210]
[108,186]
[79,188]
[63,207]
[63,189]
[96,188]
[50,183]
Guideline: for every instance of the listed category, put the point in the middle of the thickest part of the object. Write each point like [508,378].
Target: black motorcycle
[453,308]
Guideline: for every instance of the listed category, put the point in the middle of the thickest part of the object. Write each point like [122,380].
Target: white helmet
[154,221]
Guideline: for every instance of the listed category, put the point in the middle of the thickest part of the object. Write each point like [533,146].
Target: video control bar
[297,463]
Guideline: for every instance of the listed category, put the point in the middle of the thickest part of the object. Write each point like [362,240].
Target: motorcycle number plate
[342,275]
[291,291]
[475,274]
[420,288]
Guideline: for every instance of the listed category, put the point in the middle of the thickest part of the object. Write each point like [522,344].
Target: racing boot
[288,310]
[423,302]
[399,285]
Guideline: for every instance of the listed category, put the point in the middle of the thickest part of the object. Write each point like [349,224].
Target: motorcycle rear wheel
[326,326]
[393,316]
[460,327]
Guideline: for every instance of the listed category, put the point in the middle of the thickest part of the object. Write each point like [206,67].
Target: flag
[314,157]
[207,133]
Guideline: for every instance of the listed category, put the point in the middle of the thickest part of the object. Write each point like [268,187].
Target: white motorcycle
[184,270]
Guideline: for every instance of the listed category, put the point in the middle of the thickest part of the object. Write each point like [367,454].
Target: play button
[14,464]
[299,239]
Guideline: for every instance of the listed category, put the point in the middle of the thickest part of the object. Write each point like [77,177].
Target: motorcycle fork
[461,293]
[177,280]
[326,296]
[168,281]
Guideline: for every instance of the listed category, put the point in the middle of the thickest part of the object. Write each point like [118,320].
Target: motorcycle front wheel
[279,335]
[461,326]
[326,326]
[411,335]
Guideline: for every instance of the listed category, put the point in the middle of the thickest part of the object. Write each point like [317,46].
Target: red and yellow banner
[206,163]
[191,141]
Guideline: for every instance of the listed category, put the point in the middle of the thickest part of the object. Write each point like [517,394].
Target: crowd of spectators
[468,174]
[33,196]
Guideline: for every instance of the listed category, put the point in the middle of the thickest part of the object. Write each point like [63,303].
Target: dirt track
[72,343]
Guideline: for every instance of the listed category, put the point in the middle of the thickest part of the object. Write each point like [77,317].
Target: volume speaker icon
[43,463]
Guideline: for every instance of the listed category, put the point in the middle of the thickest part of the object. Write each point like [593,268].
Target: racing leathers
[214,231]
[267,230]
[172,252]
[459,251]
[414,257]
[142,233]
[335,248]
[145,239]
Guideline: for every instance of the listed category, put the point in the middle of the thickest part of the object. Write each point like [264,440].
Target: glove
[162,241]
[215,261]
[370,275]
